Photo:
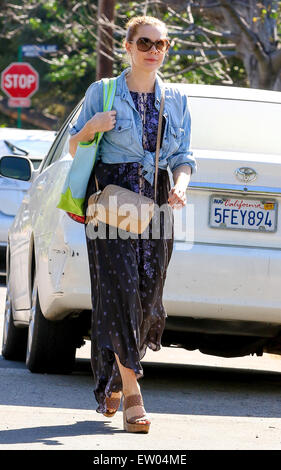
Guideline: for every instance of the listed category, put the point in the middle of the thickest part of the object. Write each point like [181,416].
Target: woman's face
[151,60]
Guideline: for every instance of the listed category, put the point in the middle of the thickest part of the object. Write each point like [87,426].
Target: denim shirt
[124,142]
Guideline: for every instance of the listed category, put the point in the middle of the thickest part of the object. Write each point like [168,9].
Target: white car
[222,292]
[34,144]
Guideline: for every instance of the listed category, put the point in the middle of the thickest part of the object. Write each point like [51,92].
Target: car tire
[51,345]
[14,338]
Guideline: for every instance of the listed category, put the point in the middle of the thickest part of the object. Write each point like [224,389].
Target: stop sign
[19,80]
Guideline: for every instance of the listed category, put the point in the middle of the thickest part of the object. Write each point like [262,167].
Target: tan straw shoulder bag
[121,207]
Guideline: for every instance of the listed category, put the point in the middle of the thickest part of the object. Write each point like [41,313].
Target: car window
[236,125]
[48,158]
[36,163]
[60,146]
[64,154]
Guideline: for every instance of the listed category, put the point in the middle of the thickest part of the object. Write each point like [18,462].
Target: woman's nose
[153,49]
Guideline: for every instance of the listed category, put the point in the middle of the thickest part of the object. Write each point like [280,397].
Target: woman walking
[128,275]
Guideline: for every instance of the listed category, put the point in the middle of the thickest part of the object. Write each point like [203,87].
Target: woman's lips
[151,60]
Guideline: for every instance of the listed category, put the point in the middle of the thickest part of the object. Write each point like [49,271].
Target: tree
[245,31]
[69,24]
[214,42]
[252,27]
[105,38]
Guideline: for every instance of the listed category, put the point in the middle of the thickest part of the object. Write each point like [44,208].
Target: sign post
[19,108]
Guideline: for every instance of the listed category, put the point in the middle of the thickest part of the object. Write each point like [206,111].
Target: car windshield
[38,148]
[32,148]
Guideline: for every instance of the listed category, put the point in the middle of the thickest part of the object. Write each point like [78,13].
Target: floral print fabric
[144,103]
[127,275]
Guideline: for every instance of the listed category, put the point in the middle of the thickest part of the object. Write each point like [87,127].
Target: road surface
[195,401]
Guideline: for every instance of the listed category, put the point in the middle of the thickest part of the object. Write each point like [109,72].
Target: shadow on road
[49,435]
[167,389]
[212,391]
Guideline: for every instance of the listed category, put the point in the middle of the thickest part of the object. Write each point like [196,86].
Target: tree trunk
[105,39]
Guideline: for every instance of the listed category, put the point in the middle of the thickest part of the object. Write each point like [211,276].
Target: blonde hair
[134,23]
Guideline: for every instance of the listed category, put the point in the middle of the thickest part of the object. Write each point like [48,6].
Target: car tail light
[78,218]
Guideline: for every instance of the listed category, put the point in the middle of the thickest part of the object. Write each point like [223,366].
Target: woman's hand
[177,194]
[101,122]
[177,197]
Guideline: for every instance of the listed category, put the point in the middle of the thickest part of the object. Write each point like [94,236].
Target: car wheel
[51,345]
[14,339]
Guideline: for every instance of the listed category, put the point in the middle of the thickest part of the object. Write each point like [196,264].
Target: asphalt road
[195,402]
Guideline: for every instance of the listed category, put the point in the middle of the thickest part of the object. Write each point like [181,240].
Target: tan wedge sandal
[138,422]
[112,403]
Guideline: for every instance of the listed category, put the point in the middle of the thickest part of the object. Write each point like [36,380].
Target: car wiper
[14,148]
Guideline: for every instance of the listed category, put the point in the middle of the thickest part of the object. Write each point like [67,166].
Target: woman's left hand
[177,197]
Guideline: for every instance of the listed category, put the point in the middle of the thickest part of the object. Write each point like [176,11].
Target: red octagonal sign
[19,80]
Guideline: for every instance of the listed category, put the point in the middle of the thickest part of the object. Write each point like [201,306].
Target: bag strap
[109,89]
[159,132]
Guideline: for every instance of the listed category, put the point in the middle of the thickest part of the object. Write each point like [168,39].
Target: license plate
[259,215]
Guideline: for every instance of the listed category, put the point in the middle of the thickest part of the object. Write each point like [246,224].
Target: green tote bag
[75,186]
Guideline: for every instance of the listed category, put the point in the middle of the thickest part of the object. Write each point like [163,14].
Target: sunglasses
[145,44]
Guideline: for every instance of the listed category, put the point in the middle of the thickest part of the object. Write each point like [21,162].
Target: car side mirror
[15,167]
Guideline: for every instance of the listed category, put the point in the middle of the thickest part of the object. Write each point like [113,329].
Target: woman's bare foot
[132,394]
[134,409]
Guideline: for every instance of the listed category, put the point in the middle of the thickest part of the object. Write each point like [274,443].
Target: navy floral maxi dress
[128,275]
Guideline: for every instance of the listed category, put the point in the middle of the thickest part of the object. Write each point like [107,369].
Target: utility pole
[105,39]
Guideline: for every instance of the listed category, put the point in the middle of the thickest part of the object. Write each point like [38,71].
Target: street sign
[34,50]
[19,80]
[19,102]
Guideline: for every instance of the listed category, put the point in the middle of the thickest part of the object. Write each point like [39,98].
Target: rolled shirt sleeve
[184,155]
[89,108]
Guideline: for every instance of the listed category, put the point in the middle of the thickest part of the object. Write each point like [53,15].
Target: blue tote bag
[75,186]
